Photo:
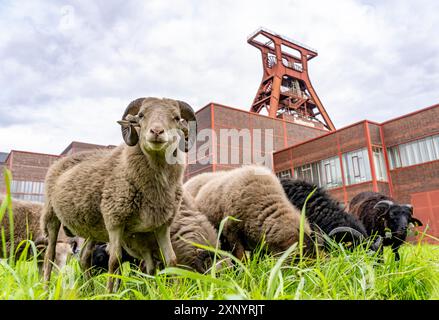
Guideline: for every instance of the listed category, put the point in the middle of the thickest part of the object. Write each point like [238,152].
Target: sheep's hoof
[110,285]
[113,285]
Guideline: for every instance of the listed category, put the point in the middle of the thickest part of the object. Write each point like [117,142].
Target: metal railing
[282,37]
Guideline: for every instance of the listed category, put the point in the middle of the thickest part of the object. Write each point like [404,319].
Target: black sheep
[100,257]
[381,215]
[325,214]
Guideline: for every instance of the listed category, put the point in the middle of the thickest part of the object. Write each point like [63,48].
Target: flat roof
[356,123]
[85,144]
[412,113]
[298,43]
[30,152]
[258,114]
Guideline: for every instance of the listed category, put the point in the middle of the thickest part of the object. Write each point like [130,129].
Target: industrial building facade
[399,157]
[29,170]
[223,126]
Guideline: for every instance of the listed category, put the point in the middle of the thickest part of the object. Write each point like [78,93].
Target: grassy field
[339,274]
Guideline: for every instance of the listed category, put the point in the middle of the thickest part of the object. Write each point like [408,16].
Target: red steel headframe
[285,87]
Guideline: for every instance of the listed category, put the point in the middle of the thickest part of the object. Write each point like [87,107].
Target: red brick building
[216,153]
[29,169]
[398,157]
[75,147]
[3,157]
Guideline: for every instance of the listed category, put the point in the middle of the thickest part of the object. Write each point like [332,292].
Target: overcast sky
[69,68]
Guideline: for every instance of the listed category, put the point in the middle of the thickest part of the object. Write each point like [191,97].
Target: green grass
[340,274]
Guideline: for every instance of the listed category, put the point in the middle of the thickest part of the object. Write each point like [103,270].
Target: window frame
[427,147]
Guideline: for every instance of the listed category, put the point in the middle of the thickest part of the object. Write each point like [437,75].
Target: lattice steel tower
[286,90]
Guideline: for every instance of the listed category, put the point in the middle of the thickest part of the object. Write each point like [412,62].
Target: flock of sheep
[130,203]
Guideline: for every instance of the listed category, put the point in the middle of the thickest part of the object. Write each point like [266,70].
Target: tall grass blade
[302,224]
[276,271]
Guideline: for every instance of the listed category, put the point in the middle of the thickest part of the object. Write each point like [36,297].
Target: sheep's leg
[85,257]
[163,236]
[52,225]
[140,246]
[148,261]
[115,236]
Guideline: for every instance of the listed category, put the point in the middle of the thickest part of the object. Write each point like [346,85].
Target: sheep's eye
[140,115]
[177,118]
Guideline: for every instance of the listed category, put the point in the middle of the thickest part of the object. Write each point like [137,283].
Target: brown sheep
[254,195]
[193,226]
[189,225]
[26,217]
[125,196]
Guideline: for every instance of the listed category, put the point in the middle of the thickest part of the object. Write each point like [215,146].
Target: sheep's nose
[157,130]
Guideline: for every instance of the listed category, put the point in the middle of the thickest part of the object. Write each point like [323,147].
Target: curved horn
[357,234]
[74,245]
[129,133]
[377,244]
[386,202]
[188,114]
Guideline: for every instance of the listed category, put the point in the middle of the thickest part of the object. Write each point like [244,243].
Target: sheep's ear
[129,132]
[127,123]
[416,222]
[188,114]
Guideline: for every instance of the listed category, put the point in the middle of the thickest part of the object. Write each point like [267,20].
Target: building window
[378,161]
[356,166]
[284,174]
[29,197]
[328,173]
[415,152]
[325,173]
[28,190]
[309,173]
[331,170]
[394,157]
